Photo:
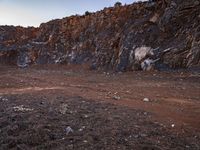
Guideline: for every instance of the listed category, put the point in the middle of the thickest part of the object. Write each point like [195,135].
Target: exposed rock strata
[164,33]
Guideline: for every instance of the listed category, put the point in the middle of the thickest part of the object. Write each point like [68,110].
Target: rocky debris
[3,99]
[144,56]
[115,97]
[82,128]
[64,108]
[22,108]
[122,38]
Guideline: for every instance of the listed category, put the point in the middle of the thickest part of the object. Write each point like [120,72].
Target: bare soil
[70,107]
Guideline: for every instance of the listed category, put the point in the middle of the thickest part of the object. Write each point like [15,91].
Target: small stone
[143,135]
[145,113]
[71,112]
[86,116]
[146,100]
[69,130]
[173,125]
[187,146]
[85,141]
[116,97]
[81,129]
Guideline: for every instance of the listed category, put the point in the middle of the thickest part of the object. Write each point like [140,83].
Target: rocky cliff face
[158,34]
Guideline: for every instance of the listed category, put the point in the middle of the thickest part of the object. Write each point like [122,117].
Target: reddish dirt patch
[105,110]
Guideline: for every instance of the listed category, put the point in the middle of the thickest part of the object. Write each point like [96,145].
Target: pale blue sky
[34,12]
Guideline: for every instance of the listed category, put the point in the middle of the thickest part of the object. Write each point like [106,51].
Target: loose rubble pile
[158,34]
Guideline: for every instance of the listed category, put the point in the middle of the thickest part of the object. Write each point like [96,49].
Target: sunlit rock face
[142,36]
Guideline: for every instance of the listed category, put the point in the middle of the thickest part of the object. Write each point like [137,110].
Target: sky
[34,12]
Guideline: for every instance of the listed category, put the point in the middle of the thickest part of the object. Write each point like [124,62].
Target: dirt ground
[70,107]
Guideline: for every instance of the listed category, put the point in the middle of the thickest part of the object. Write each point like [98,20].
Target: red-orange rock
[109,38]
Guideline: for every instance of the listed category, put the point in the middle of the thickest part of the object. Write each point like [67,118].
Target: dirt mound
[166,33]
